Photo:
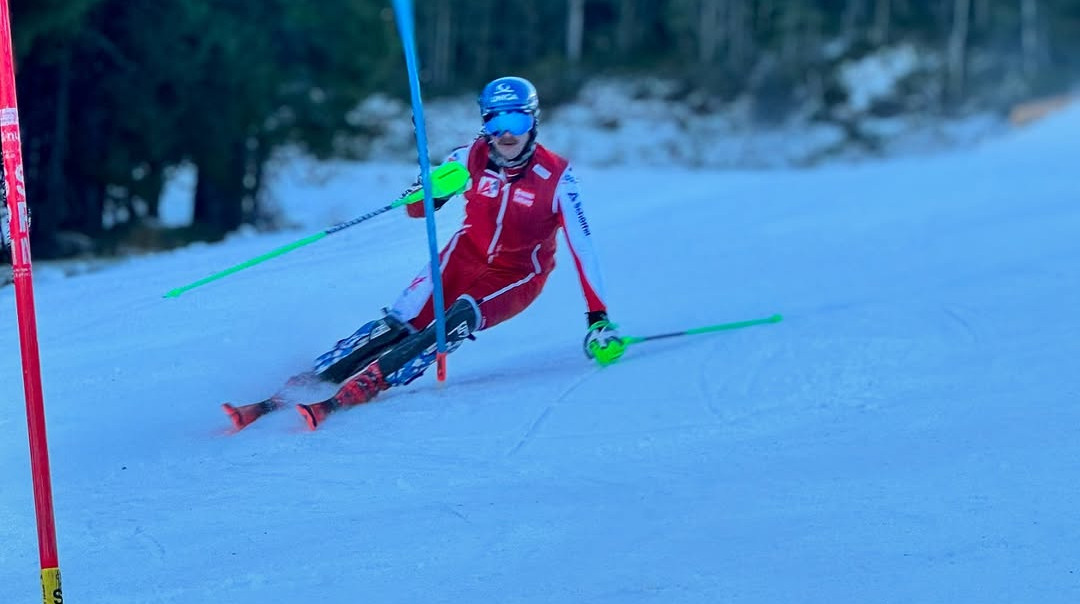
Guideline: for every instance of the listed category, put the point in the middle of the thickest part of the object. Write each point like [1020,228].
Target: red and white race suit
[505,249]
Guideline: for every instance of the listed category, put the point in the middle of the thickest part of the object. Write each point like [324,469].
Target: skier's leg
[356,351]
[407,360]
[459,270]
[408,316]
[503,296]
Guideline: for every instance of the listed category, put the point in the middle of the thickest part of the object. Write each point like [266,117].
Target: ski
[243,416]
[403,363]
[315,413]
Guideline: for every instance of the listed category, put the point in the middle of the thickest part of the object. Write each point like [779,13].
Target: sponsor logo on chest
[488,186]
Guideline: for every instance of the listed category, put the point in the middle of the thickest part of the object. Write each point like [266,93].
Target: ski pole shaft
[173,293]
[448,179]
[274,253]
[707,329]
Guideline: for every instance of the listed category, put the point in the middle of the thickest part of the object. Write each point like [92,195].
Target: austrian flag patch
[523,197]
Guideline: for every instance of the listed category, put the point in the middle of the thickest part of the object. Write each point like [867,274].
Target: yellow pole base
[51,593]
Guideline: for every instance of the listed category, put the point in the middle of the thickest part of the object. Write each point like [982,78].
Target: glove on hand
[603,343]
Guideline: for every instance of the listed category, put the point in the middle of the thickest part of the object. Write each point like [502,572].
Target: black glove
[593,316]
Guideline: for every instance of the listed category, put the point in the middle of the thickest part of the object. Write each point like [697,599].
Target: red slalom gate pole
[18,221]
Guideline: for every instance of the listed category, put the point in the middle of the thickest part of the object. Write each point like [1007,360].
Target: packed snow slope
[909,433]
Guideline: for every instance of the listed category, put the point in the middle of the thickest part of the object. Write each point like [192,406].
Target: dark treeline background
[113,93]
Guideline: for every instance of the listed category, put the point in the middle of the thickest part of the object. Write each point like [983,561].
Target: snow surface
[909,433]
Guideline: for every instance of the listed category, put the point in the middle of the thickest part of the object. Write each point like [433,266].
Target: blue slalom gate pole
[403,11]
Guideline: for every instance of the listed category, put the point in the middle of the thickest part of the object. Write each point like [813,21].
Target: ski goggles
[514,122]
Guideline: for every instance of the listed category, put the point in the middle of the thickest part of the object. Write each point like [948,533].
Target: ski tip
[310,416]
[243,416]
[315,413]
[234,417]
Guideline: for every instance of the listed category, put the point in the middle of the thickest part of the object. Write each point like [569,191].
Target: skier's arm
[416,210]
[602,342]
[579,237]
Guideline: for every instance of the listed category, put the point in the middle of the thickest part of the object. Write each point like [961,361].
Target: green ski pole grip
[448,179]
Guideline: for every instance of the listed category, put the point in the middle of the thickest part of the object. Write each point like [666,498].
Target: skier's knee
[463,317]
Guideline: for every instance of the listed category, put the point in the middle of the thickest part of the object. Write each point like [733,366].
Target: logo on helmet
[504,92]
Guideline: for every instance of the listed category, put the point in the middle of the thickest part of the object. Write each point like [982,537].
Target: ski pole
[613,351]
[707,329]
[448,179]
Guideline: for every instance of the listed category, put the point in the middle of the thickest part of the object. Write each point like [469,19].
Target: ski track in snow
[535,425]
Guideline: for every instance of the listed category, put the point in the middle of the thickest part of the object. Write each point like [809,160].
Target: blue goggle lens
[514,122]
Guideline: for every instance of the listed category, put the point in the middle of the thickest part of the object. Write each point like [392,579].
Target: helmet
[509,94]
[510,104]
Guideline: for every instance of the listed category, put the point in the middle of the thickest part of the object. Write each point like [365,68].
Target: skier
[518,196]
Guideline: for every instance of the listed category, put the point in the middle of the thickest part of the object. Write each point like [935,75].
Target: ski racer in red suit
[518,197]
[505,250]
